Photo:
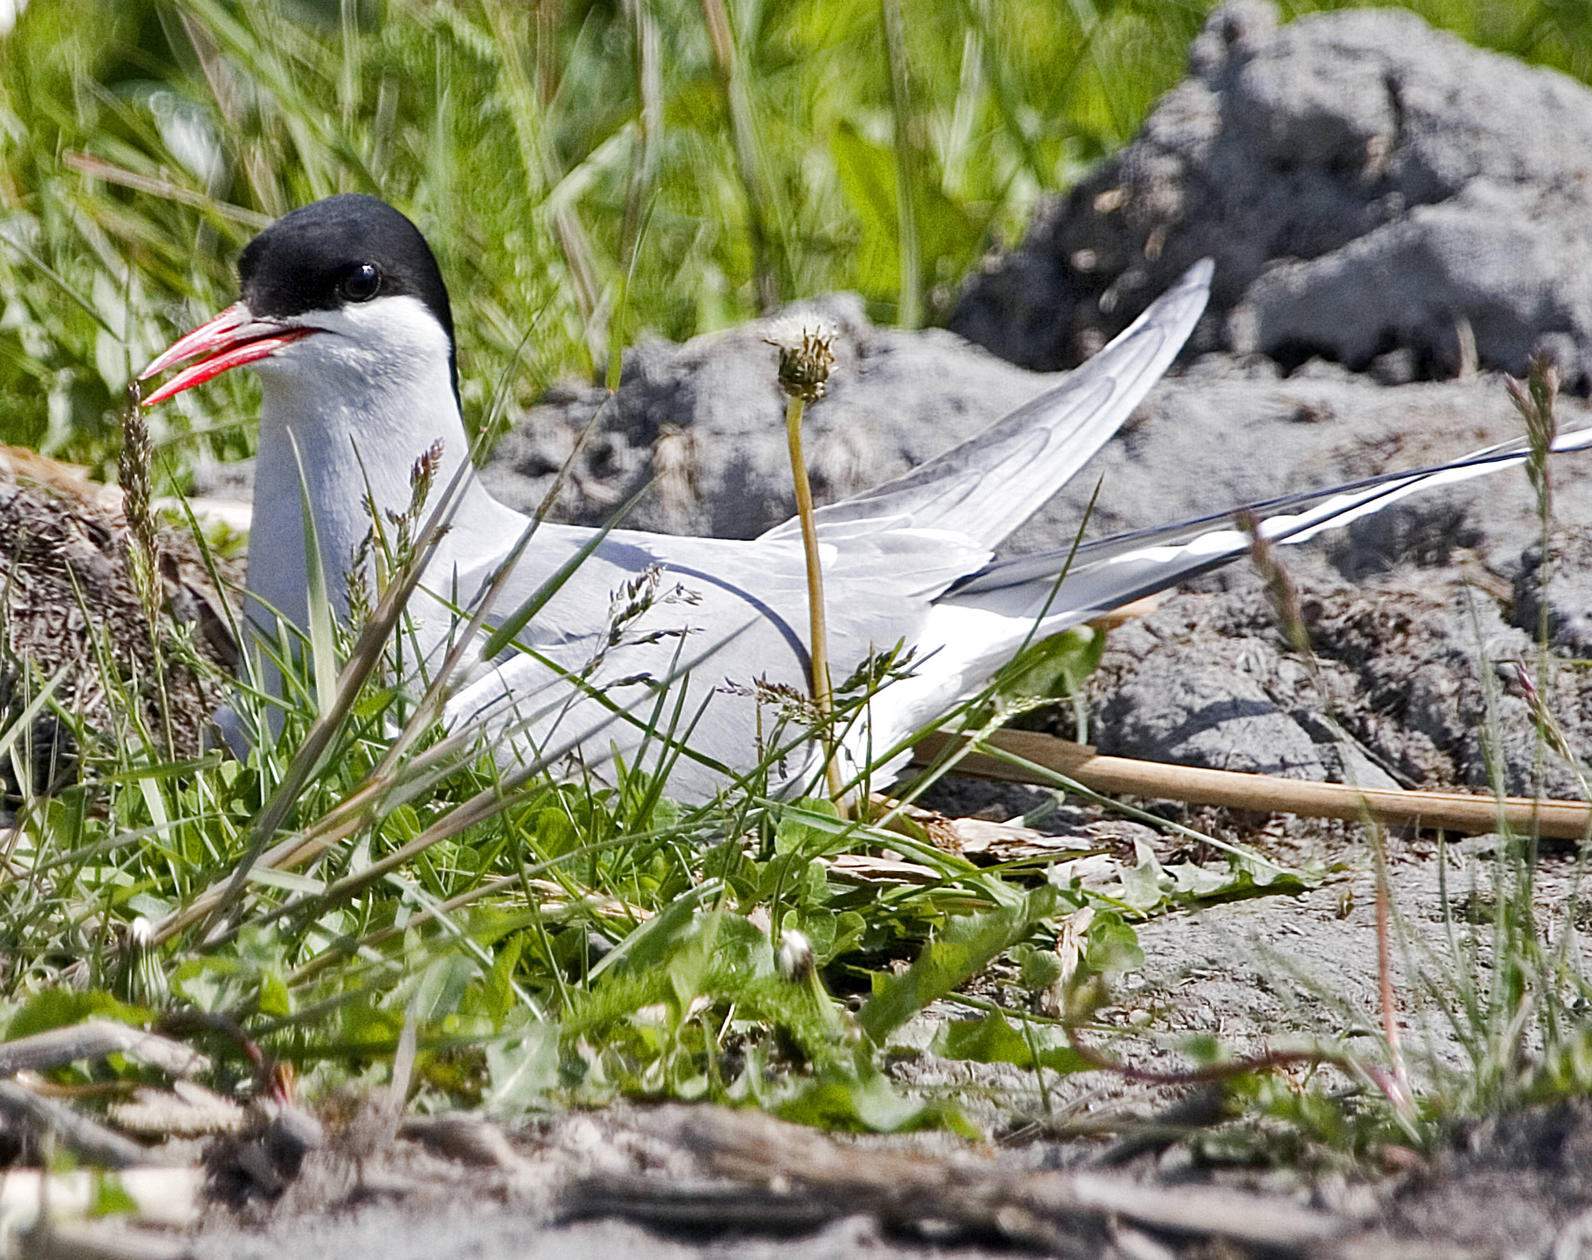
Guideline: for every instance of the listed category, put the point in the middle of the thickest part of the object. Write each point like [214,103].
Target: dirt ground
[1266,972]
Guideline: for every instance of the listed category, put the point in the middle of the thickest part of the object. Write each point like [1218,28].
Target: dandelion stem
[803,374]
[818,645]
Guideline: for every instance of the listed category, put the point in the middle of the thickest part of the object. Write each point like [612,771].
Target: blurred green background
[586,171]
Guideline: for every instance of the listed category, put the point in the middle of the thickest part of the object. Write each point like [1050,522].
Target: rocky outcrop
[1373,191]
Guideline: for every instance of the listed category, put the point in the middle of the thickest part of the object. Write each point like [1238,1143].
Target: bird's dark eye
[360,283]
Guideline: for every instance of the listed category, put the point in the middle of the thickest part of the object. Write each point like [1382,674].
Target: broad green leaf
[522,1068]
[59,1008]
[993,1040]
[967,945]
[1055,667]
[1111,947]
[865,1102]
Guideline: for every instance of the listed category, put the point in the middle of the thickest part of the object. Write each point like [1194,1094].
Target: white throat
[346,413]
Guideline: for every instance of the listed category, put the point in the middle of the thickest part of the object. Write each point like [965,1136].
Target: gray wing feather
[1034,451]
[1115,571]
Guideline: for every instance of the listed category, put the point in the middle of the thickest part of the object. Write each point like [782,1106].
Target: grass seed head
[133,472]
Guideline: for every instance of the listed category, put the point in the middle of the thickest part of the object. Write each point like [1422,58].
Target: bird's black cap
[306,260]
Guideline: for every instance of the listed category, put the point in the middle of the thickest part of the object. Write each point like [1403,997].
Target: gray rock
[1563,592]
[1368,186]
[1402,689]
[1192,710]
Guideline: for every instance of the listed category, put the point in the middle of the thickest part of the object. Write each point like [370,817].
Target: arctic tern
[345,317]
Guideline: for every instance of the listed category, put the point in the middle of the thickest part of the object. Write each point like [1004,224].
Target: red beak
[231,339]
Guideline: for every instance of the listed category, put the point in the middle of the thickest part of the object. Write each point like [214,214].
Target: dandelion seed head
[806,354]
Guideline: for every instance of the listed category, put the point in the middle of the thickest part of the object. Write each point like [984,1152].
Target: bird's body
[345,318]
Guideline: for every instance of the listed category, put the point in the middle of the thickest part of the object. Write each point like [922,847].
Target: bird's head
[342,293]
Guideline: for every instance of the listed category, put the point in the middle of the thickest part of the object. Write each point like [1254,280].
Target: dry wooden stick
[1263,793]
[782,1175]
[96,1039]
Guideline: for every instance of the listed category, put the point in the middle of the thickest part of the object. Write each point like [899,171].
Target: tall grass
[586,172]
